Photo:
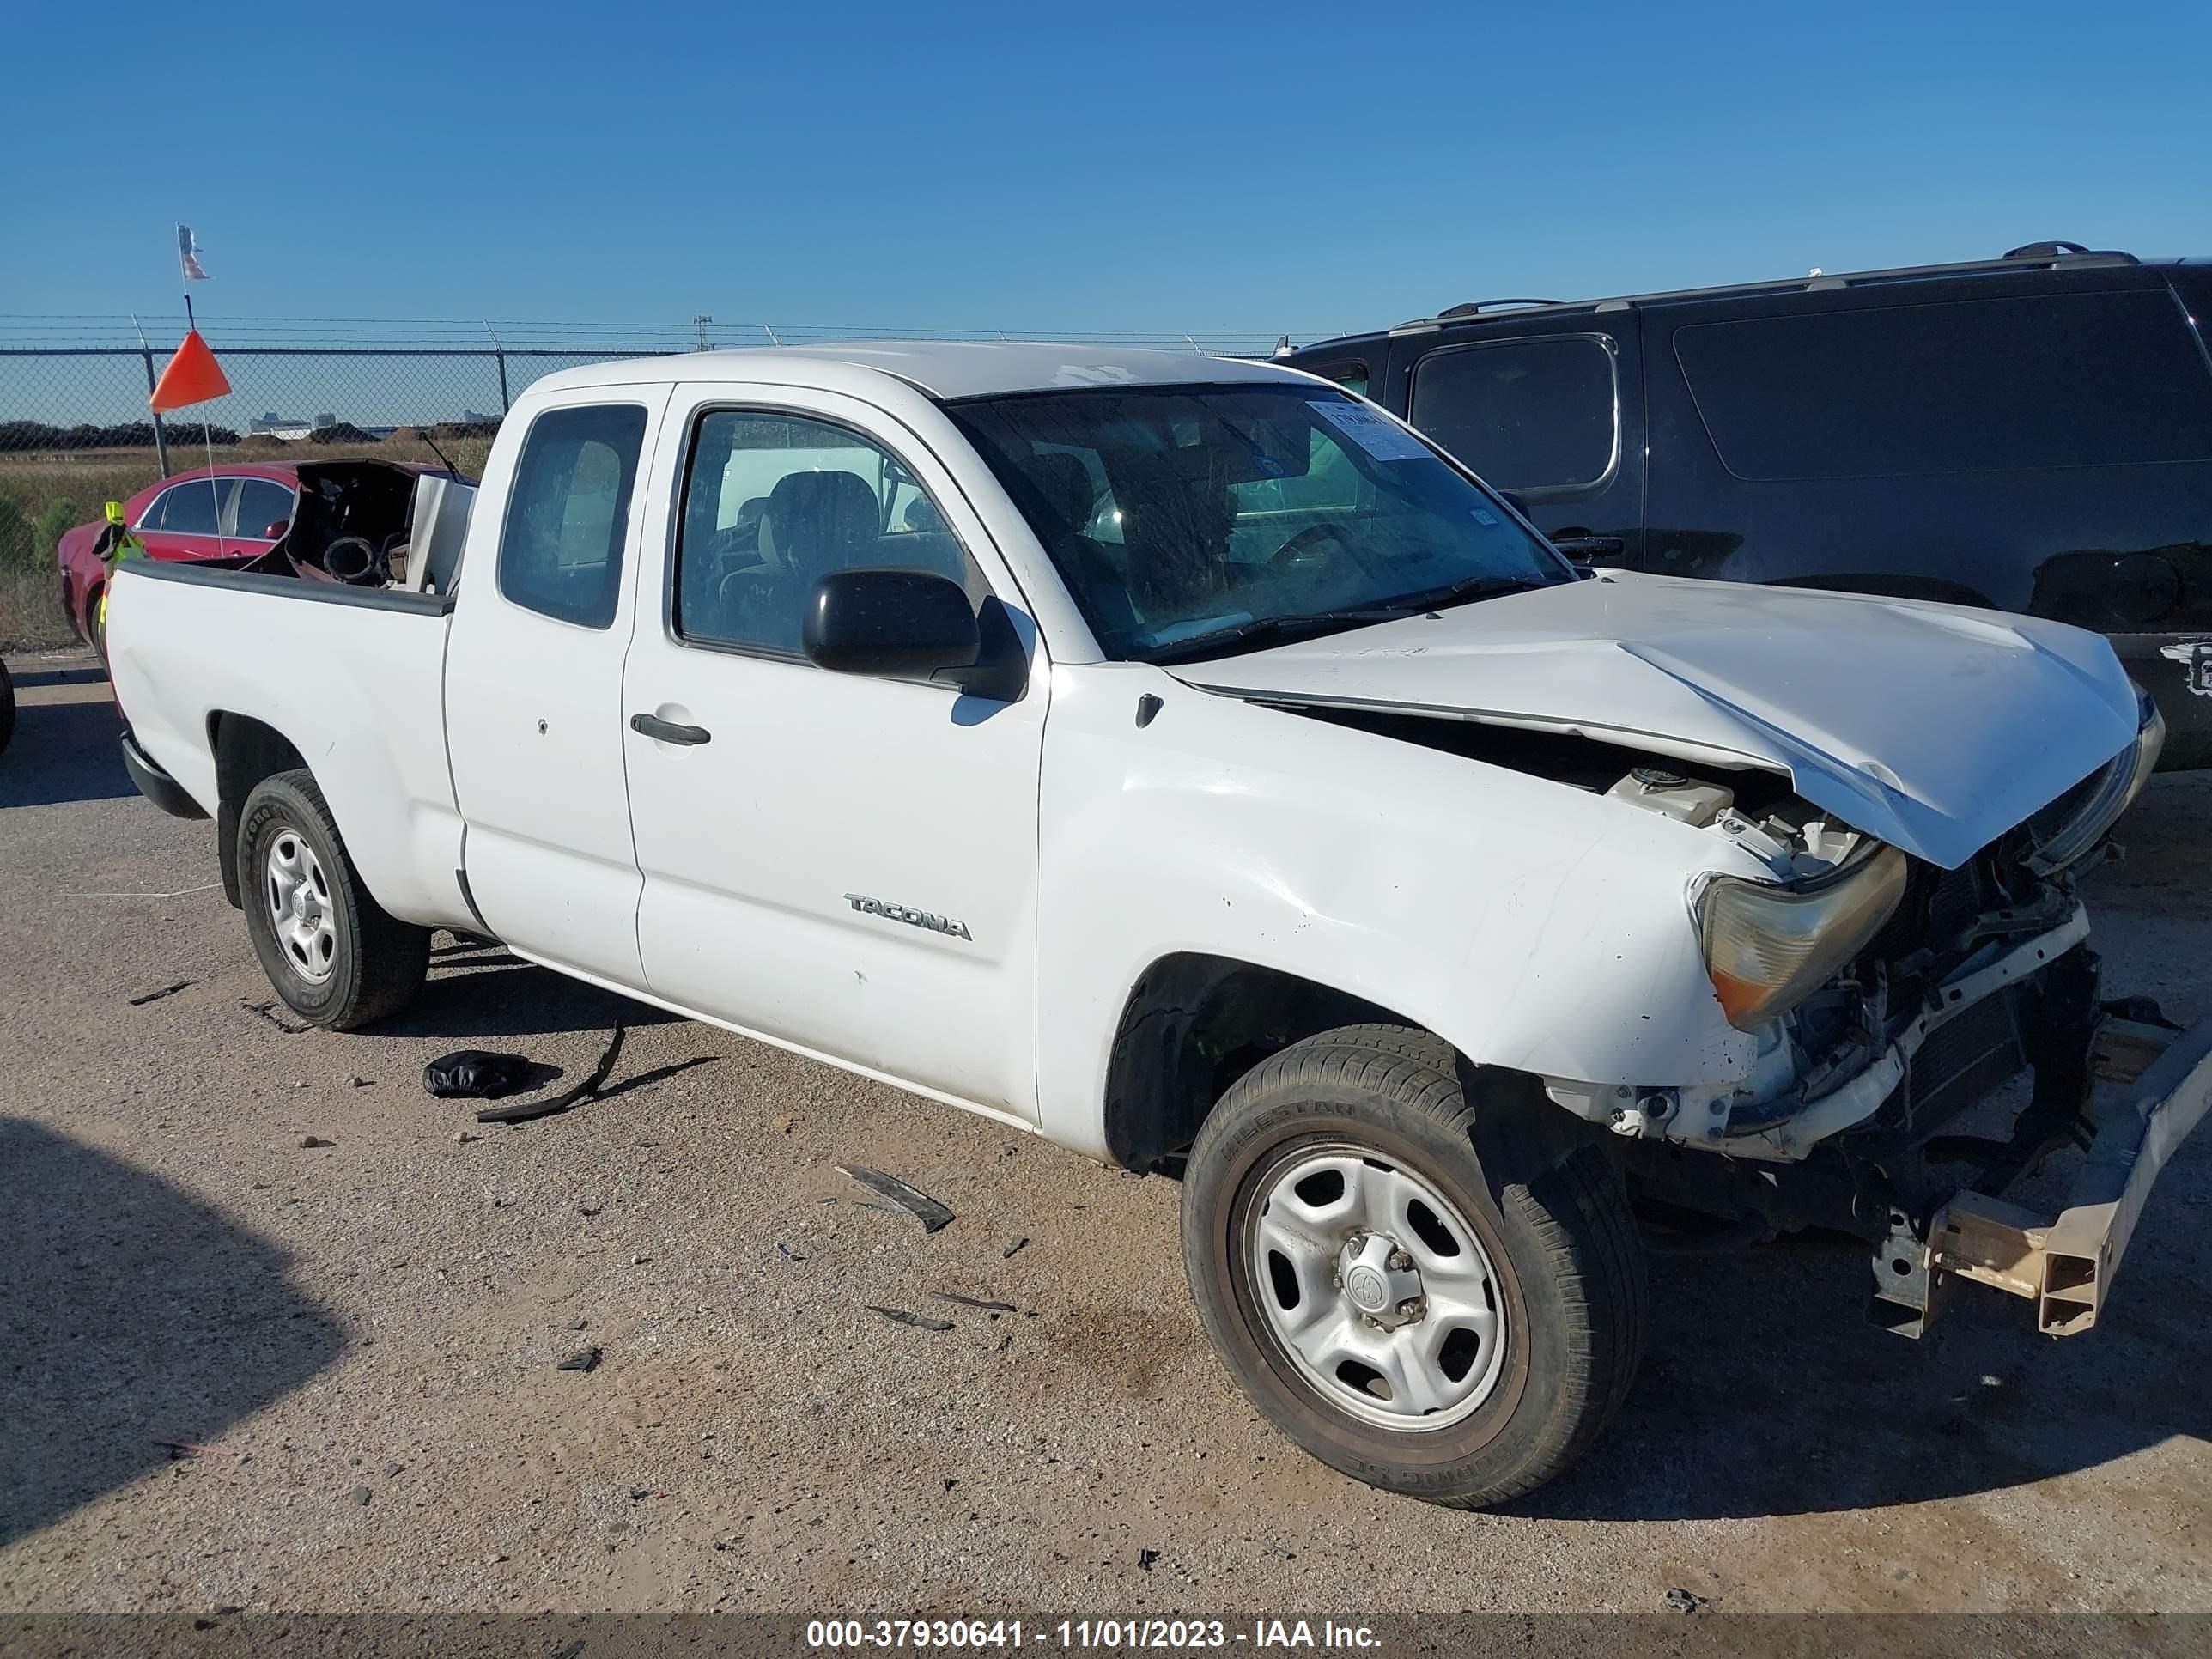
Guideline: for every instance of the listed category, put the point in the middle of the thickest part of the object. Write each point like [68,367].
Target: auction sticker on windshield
[1377,434]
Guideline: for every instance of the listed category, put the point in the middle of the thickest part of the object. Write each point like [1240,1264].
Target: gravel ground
[363,1338]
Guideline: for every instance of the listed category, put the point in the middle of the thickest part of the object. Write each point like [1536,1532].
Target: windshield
[1191,521]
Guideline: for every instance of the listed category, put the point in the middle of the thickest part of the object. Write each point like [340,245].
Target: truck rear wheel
[333,954]
[1401,1277]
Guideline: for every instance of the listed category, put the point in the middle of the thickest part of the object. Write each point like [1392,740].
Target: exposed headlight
[2093,807]
[1769,947]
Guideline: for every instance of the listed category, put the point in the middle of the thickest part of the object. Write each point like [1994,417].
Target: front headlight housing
[1768,947]
[2086,813]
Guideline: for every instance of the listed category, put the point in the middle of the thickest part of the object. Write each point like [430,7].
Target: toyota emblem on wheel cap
[1366,1287]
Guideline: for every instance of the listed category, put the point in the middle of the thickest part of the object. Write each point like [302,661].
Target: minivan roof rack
[1475,308]
[2053,256]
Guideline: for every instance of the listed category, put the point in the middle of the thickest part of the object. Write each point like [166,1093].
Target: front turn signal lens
[1768,947]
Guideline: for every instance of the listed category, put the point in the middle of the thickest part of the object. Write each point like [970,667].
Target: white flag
[188,251]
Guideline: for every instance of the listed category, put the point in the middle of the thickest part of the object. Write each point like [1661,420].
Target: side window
[193,509]
[259,503]
[1978,385]
[775,502]
[1525,415]
[155,509]
[560,549]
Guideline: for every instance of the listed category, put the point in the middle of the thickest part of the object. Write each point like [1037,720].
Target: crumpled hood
[1934,727]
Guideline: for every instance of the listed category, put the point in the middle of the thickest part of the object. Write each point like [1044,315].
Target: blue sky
[1033,166]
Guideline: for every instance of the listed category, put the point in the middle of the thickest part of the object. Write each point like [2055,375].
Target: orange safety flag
[194,376]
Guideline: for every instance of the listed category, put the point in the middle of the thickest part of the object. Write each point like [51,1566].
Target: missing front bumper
[2065,1263]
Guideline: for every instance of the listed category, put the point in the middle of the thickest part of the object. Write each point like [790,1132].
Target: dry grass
[43,493]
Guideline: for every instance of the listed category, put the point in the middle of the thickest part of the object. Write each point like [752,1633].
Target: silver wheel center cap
[1378,1277]
[1367,1288]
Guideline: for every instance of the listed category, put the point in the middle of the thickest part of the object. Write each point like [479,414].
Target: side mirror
[893,624]
[277,528]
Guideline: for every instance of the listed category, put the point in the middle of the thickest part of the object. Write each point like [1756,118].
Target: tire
[1539,1234]
[337,958]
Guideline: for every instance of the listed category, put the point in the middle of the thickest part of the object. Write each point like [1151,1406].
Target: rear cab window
[568,513]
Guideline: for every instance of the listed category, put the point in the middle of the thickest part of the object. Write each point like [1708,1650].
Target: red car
[241,512]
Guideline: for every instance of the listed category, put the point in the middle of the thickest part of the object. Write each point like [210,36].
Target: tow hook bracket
[1909,1290]
[2065,1263]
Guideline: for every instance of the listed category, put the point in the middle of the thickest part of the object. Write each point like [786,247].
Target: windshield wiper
[1466,588]
[1281,630]
[1276,629]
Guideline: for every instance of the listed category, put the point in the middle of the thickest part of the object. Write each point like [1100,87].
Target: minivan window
[1524,414]
[1976,386]
[560,549]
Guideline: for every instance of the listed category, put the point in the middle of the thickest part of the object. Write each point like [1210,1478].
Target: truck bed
[340,672]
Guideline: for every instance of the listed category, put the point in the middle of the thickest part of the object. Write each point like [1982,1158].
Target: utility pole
[703,322]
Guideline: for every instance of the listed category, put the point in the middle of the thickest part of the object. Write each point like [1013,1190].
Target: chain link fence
[76,429]
[76,432]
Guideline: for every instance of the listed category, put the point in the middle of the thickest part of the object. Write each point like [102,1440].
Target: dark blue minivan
[2033,433]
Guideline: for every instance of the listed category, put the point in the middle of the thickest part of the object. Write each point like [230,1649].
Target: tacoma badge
[913,918]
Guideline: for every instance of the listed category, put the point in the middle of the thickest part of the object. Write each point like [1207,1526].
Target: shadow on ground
[83,673]
[133,1314]
[477,992]
[64,751]
[1763,1395]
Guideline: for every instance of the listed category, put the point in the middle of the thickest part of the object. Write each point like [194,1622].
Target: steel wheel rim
[1411,1348]
[301,912]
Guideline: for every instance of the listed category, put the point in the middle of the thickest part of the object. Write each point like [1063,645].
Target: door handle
[661,731]
[1588,547]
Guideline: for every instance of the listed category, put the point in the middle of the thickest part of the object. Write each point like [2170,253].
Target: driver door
[843,864]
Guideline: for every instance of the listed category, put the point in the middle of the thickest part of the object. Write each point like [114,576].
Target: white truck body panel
[1466,898]
[817,788]
[535,721]
[357,688]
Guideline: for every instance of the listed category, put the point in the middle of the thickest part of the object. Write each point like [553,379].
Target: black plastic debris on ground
[900,1317]
[583,1359]
[527,1111]
[920,1206]
[155,996]
[476,1074]
[1145,1557]
[1684,1600]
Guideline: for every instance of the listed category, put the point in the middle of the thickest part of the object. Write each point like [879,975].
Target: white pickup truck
[1185,761]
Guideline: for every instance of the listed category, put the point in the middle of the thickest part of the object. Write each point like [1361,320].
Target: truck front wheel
[333,954]
[1407,1278]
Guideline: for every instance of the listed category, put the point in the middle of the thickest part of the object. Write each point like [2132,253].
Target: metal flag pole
[186,264]
[161,437]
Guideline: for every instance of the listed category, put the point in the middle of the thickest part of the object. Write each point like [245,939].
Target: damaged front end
[1890,999]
